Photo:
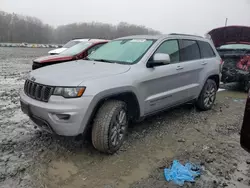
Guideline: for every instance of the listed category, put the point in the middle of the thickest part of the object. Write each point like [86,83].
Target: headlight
[70,92]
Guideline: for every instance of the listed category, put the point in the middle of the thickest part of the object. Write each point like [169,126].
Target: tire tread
[100,130]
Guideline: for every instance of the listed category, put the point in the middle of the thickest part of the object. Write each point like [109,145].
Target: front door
[166,85]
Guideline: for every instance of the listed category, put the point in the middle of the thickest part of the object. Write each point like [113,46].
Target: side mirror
[159,59]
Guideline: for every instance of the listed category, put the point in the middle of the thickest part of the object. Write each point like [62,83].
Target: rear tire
[207,96]
[110,126]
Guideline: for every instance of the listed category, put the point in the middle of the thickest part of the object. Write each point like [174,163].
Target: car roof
[81,40]
[163,36]
[91,40]
[95,42]
[98,40]
[142,37]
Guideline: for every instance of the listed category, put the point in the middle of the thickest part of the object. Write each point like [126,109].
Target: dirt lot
[32,158]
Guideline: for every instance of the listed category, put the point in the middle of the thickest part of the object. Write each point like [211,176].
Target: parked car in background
[245,130]
[78,51]
[233,45]
[126,79]
[66,46]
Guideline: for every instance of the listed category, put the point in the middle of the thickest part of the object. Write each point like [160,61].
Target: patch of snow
[221,89]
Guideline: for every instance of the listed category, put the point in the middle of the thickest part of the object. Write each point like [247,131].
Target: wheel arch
[216,78]
[127,96]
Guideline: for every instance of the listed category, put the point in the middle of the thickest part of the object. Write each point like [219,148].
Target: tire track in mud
[15,127]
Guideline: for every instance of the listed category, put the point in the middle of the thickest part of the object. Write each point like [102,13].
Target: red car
[79,51]
[245,130]
[233,45]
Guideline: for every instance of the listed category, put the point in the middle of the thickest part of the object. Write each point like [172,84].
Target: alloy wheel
[209,95]
[118,128]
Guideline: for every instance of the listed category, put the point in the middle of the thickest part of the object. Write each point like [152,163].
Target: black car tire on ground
[207,96]
[110,126]
[245,85]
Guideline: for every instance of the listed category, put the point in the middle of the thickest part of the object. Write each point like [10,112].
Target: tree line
[17,28]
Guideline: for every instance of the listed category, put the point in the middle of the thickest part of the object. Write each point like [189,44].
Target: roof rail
[185,35]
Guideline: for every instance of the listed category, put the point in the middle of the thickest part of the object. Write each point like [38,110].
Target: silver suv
[126,79]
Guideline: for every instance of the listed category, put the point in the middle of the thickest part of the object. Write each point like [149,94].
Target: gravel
[31,158]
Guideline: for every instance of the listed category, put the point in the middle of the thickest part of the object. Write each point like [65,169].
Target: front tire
[110,126]
[207,96]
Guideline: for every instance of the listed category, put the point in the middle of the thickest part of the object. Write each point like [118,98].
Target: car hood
[53,58]
[75,72]
[57,51]
[230,34]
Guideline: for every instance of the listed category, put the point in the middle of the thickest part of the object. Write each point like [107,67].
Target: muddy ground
[32,158]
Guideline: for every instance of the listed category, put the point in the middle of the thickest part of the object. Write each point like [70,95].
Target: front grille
[38,91]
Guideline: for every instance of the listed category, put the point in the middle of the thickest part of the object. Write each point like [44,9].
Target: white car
[66,46]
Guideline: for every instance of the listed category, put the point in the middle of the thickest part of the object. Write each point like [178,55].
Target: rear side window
[206,49]
[189,50]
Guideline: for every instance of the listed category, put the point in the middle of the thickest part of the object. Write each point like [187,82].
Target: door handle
[204,63]
[179,68]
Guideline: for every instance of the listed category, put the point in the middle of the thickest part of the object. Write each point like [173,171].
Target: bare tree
[18,28]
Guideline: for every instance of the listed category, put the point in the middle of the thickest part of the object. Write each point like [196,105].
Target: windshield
[235,46]
[127,51]
[76,49]
[70,44]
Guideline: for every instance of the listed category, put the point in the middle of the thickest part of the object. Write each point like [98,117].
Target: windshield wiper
[101,60]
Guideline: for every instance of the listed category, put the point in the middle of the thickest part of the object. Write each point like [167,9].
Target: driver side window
[170,47]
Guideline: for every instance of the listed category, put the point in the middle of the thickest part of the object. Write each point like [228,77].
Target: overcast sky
[187,16]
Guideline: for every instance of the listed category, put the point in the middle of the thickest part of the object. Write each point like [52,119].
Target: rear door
[193,67]
[209,61]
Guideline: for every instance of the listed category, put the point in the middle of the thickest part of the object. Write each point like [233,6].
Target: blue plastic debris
[179,173]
